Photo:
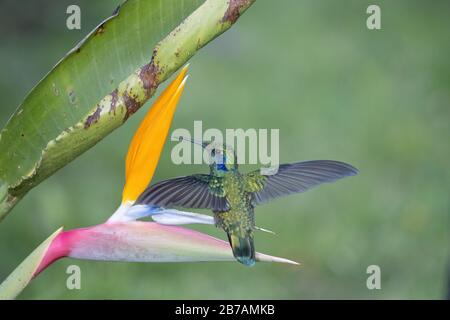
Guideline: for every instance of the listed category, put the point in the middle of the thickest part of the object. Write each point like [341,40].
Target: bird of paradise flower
[123,237]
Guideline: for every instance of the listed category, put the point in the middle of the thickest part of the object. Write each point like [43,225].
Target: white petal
[176,217]
[127,212]
[264,230]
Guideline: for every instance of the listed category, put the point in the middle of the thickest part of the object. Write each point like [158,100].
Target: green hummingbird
[232,195]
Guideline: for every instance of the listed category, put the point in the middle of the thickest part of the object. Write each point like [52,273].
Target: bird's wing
[295,178]
[196,191]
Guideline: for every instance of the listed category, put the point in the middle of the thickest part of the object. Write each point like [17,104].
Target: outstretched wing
[196,191]
[295,178]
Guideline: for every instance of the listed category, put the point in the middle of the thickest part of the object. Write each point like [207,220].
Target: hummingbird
[232,196]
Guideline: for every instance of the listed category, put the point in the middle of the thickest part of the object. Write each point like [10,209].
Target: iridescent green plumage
[232,196]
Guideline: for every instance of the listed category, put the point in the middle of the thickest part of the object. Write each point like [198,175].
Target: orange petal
[159,104]
[148,141]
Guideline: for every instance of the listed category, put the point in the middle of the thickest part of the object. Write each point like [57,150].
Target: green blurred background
[336,90]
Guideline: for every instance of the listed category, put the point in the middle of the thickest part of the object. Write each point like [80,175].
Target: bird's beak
[194,141]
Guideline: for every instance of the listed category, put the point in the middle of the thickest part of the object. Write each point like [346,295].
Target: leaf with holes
[101,82]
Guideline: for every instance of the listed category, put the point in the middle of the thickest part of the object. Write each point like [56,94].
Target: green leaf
[22,275]
[101,83]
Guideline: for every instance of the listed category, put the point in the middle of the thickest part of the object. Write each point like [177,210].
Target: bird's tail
[243,249]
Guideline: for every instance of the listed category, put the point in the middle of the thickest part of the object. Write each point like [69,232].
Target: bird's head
[222,156]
